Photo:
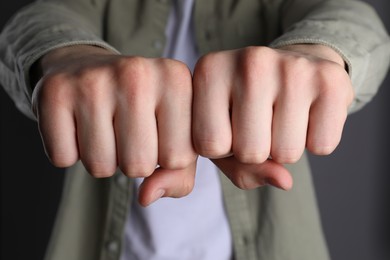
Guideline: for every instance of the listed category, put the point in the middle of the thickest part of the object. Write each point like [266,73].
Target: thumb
[250,176]
[167,183]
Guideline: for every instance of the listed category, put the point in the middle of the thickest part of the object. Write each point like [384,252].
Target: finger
[251,124]
[250,176]
[96,140]
[136,137]
[167,183]
[58,132]
[211,125]
[174,111]
[290,122]
[327,119]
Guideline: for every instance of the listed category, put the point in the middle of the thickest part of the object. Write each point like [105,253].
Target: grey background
[351,183]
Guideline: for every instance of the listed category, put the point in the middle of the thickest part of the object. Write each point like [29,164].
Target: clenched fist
[109,110]
[250,110]
[258,103]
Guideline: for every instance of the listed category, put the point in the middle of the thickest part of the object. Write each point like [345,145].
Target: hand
[257,102]
[110,110]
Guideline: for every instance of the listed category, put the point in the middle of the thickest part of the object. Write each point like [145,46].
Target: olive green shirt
[266,223]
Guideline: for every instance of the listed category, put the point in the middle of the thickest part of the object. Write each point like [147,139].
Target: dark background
[352,184]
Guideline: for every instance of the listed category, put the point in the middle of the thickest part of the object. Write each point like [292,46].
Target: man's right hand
[109,110]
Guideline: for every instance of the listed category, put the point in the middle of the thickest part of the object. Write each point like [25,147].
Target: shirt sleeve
[350,27]
[37,29]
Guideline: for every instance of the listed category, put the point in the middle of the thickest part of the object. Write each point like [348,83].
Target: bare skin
[257,102]
[238,108]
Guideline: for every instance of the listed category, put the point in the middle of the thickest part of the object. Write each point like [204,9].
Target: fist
[258,103]
[110,110]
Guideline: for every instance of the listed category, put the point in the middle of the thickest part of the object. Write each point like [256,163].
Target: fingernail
[157,195]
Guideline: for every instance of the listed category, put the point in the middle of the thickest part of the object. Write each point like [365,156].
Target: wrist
[69,53]
[57,56]
[317,50]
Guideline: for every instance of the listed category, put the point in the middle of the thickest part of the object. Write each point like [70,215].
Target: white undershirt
[196,226]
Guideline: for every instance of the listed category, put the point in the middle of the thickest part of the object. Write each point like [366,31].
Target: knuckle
[137,169]
[179,76]
[211,148]
[326,68]
[61,160]
[206,61]
[52,91]
[87,85]
[332,97]
[251,157]
[321,149]
[287,156]
[256,53]
[175,162]
[204,69]
[100,169]
[184,184]
[53,81]
[241,181]
[336,82]
[133,72]
[256,58]
[256,64]
[132,66]
[174,68]
[94,76]
[298,73]
[187,186]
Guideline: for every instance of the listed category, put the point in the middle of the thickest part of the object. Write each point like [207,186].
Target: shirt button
[208,35]
[121,180]
[112,246]
[157,44]
[243,241]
